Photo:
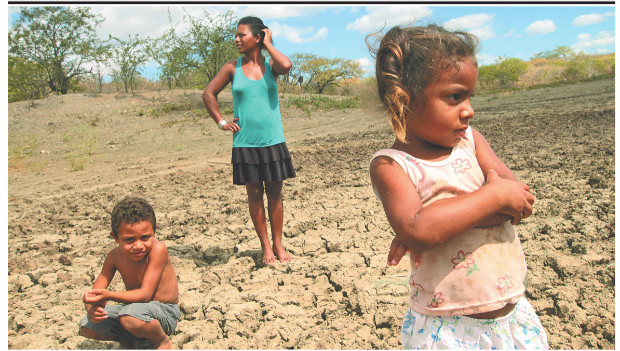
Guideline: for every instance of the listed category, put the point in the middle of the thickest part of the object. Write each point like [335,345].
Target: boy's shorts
[167,314]
[520,329]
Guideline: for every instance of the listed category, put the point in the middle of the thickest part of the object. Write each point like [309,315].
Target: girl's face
[244,40]
[440,116]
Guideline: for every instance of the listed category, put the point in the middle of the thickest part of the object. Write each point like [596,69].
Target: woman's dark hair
[256,26]
[408,59]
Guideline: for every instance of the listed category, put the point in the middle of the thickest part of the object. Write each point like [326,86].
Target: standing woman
[260,158]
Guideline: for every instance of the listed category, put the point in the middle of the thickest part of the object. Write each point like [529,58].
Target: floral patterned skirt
[520,329]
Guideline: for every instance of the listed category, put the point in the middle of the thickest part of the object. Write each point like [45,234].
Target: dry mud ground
[337,293]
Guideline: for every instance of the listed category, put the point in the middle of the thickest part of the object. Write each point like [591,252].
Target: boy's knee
[131,323]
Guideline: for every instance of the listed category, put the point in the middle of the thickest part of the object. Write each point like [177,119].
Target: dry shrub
[21,147]
[541,74]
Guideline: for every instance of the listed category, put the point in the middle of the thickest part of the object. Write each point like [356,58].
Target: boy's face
[135,240]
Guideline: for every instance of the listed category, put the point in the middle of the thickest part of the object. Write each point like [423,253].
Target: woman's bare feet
[268,256]
[283,256]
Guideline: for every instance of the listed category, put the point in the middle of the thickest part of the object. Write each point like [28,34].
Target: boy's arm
[158,257]
[487,159]
[95,311]
[420,228]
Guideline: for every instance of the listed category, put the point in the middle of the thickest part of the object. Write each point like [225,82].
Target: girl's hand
[232,126]
[515,197]
[398,250]
[267,36]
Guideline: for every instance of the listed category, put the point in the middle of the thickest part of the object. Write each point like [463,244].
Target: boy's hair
[256,26]
[408,59]
[131,210]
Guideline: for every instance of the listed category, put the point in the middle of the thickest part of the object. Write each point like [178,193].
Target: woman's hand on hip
[232,126]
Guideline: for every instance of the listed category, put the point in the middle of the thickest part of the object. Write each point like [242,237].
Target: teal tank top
[258,109]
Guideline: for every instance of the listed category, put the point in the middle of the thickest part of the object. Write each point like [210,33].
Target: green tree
[561,52]
[207,44]
[319,73]
[60,39]
[128,56]
[101,56]
[27,80]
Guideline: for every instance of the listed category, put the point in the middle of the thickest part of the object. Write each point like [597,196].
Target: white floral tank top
[480,270]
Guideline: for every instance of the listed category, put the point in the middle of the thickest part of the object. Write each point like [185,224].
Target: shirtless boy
[148,308]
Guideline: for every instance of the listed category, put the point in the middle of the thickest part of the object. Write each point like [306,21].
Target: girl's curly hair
[409,58]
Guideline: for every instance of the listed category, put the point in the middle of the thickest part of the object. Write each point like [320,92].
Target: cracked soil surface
[337,292]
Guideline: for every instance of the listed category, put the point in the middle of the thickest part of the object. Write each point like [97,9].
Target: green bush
[577,68]
[503,74]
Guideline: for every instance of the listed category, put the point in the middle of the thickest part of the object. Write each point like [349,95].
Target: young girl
[260,158]
[450,201]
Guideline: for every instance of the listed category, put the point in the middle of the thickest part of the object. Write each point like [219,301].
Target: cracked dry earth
[337,292]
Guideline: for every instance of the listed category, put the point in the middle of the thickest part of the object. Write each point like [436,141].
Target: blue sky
[338,31]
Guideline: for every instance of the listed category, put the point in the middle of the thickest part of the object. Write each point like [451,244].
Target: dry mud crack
[337,292]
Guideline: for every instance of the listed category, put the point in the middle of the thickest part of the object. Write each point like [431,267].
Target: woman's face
[244,40]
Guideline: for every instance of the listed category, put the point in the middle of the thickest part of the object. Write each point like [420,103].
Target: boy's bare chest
[132,273]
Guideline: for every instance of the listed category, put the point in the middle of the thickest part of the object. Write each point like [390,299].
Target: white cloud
[267,12]
[587,41]
[479,25]
[388,16]
[583,36]
[541,27]
[368,65]
[484,59]
[365,62]
[511,33]
[483,33]
[469,21]
[152,20]
[120,21]
[593,18]
[296,34]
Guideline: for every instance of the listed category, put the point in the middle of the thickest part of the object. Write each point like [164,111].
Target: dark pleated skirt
[256,164]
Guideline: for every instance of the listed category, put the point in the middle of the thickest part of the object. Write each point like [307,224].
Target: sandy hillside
[337,293]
